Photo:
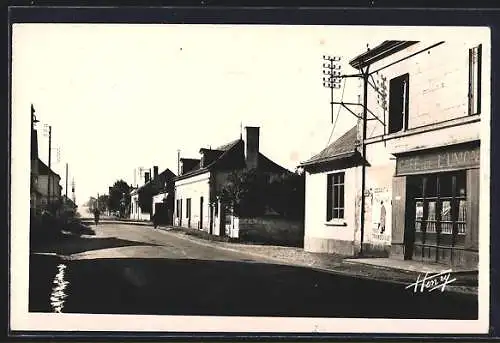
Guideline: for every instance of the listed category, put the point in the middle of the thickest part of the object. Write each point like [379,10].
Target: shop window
[441,204]
[335,196]
[474,92]
[398,103]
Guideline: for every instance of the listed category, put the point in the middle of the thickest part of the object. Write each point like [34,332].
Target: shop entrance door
[438,204]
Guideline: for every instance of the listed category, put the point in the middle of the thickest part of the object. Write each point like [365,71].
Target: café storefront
[436,205]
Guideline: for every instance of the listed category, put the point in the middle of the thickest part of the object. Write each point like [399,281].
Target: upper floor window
[398,103]
[335,196]
[474,92]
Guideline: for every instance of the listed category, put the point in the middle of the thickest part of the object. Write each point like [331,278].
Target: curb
[120,222]
[287,263]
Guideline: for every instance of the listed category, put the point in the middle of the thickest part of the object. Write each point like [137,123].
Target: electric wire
[338,113]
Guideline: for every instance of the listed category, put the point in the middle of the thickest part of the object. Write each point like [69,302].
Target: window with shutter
[474,92]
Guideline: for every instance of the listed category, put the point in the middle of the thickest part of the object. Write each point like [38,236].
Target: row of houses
[43,198]
[193,199]
[403,182]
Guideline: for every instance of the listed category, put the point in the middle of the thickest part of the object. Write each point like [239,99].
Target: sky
[119,97]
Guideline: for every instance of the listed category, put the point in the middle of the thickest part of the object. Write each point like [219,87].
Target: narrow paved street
[129,269]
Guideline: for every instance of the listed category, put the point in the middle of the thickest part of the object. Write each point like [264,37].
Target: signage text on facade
[451,159]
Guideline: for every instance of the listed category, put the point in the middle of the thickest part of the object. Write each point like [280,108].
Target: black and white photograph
[250,178]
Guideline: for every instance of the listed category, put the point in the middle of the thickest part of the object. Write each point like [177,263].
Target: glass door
[440,209]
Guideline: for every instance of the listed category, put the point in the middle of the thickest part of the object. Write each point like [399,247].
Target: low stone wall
[271,230]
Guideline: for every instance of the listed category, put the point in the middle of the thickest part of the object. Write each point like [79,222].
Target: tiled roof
[43,169]
[228,146]
[267,164]
[344,146]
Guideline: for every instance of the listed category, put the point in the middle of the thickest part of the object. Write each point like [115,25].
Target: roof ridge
[342,145]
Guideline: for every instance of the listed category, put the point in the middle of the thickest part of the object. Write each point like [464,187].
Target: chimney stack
[155,172]
[252,147]
[146,177]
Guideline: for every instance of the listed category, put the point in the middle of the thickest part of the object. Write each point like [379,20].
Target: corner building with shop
[422,140]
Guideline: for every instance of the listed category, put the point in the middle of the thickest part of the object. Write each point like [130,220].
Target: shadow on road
[225,288]
[72,244]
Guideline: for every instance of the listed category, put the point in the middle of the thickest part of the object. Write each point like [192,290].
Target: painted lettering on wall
[462,158]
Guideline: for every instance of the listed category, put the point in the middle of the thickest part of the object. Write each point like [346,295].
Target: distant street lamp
[332,76]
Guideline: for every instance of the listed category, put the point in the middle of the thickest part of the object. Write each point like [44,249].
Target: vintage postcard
[250,178]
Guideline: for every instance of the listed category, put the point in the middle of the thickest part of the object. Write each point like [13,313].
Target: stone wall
[271,230]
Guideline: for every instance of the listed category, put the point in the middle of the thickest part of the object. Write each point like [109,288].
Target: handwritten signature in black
[431,282]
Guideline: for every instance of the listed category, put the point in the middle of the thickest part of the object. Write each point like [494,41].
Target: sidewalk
[384,269]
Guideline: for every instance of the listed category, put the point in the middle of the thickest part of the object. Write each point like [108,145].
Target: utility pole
[332,78]
[66,188]
[363,153]
[49,171]
[178,162]
[73,190]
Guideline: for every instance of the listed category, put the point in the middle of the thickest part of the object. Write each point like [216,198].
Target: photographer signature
[431,282]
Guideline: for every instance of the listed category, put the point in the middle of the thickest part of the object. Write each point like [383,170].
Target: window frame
[474,82]
[405,103]
[333,208]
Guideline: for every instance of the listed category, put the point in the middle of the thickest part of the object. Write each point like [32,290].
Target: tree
[119,197]
[253,193]
[146,194]
[103,203]
[243,192]
[91,203]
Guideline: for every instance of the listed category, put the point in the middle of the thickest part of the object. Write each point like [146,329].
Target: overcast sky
[123,96]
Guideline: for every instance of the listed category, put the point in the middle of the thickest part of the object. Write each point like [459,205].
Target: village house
[49,199]
[156,196]
[162,191]
[330,216]
[136,212]
[197,188]
[421,174]
[34,192]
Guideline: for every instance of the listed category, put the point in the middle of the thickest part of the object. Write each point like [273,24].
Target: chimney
[155,173]
[252,147]
[146,177]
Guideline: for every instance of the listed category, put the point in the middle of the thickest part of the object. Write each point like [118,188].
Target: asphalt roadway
[128,269]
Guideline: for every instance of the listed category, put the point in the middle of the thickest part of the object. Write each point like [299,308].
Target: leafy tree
[119,197]
[103,202]
[146,194]
[253,193]
[91,203]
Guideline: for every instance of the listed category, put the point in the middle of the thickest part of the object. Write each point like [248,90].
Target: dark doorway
[201,213]
[188,212]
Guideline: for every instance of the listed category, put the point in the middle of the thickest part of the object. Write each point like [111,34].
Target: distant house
[154,197]
[49,199]
[162,191]
[34,192]
[332,176]
[197,188]
[136,212]
[68,205]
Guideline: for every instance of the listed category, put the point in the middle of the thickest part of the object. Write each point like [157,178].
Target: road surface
[127,269]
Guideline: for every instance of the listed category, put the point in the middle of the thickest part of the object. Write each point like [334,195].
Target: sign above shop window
[448,158]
